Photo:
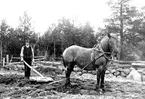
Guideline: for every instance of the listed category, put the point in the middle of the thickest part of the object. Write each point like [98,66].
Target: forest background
[126,21]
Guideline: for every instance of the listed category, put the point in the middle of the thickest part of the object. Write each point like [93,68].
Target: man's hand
[32,61]
[22,59]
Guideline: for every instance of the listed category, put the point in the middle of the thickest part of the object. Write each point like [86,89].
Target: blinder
[113,50]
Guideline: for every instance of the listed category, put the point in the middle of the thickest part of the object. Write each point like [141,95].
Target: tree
[26,28]
[123,14]
[4,28]
[67,28]
[14,44]
[82,35]
[87,35]
[64,34]
[19,35]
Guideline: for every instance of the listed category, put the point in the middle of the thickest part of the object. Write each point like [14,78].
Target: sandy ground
[14,86]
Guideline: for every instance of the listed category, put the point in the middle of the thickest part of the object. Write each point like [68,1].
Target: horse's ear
[109,35]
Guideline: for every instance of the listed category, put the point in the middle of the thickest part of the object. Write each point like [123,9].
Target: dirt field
[14,86]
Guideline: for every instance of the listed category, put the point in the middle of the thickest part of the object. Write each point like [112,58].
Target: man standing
[27,55]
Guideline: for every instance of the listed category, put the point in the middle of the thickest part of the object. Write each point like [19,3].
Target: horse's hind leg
[68,73]
[102,79]
[98,79]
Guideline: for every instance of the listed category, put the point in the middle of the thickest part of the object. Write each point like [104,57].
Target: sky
[46,12]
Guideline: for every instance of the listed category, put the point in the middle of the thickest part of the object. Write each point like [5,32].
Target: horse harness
[99,49]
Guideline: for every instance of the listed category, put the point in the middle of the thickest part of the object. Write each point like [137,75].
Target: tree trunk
[121,33]
[54,51]
[1,51]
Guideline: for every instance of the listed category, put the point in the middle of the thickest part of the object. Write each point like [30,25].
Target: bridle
[107,55]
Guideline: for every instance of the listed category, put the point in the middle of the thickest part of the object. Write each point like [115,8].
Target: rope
[91,62]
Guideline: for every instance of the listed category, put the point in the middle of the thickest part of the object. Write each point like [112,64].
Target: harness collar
[107,55]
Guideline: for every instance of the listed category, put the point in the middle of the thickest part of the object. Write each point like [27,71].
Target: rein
[91,62]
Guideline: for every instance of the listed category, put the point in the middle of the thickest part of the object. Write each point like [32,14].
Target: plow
[41,78]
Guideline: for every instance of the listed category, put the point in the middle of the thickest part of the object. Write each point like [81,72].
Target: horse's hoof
[97,87]
[100,90]
[103,90]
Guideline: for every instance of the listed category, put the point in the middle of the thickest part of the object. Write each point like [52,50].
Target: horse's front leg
[68,73]
[100,77]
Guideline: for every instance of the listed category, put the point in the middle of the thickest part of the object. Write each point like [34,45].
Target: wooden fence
[128,64]
[37,58]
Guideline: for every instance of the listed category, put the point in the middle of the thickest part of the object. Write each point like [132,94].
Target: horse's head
[110,43]
[114,44]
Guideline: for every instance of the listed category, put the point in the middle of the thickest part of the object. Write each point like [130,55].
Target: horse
[95,58]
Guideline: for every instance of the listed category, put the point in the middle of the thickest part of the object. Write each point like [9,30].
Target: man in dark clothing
[27,55]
